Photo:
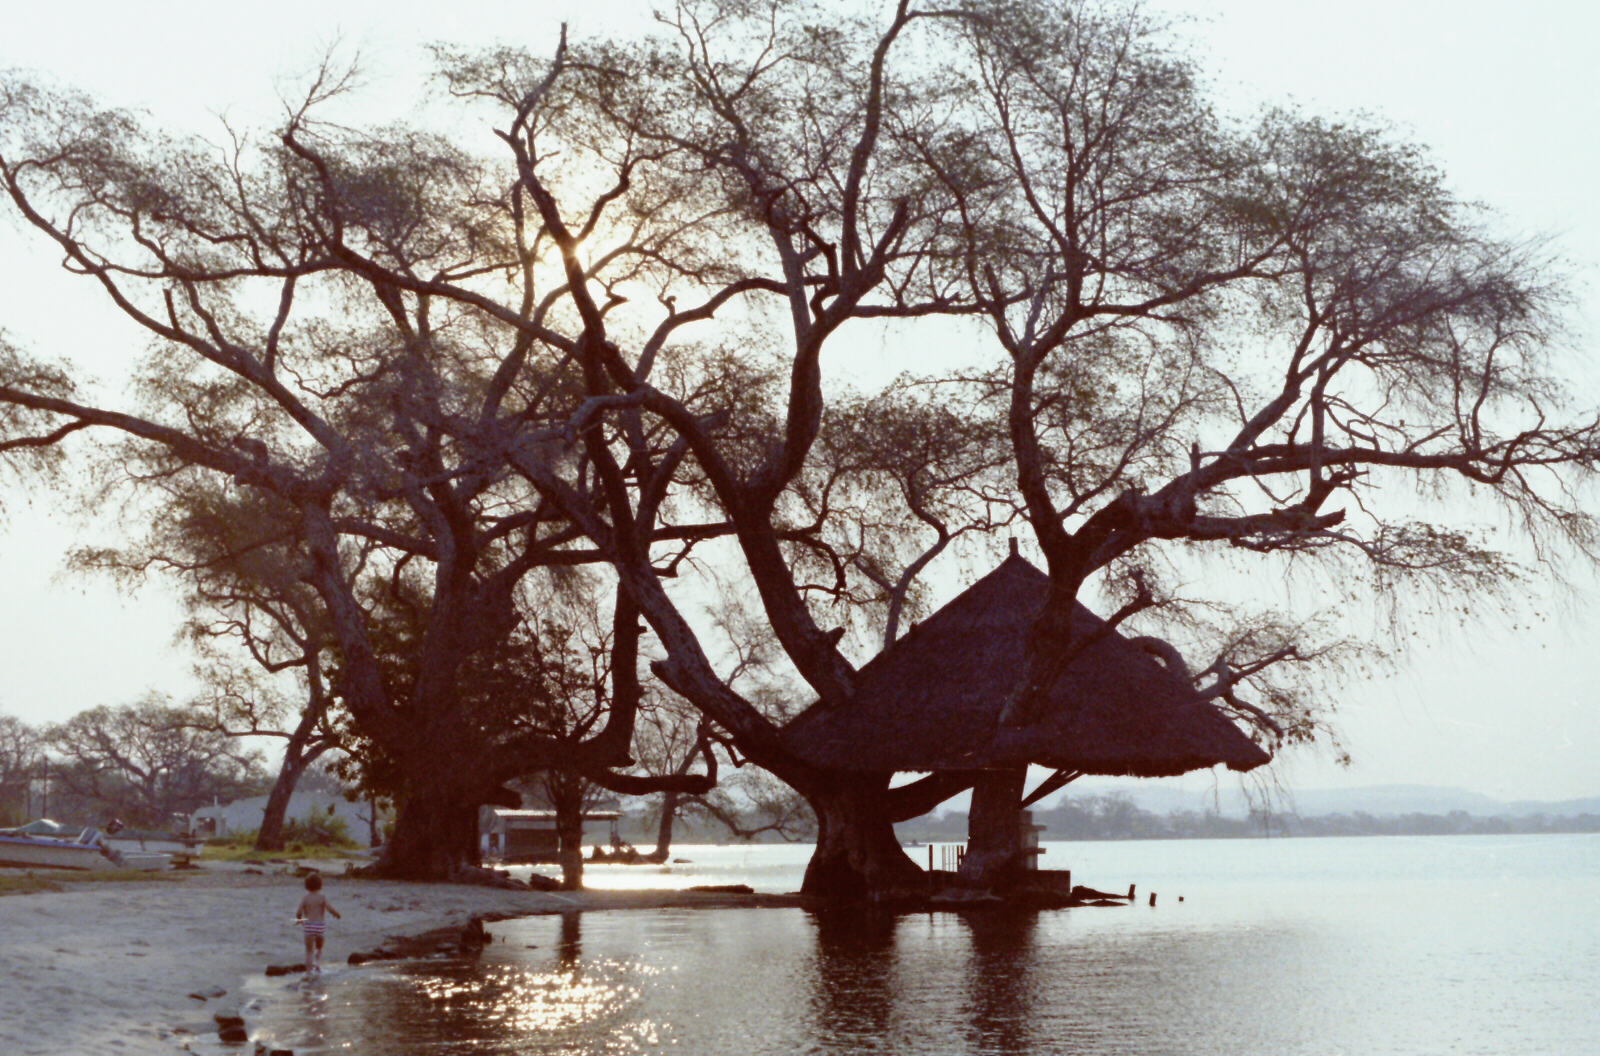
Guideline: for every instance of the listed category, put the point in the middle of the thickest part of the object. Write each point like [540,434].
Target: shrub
[236,838]
[318,830]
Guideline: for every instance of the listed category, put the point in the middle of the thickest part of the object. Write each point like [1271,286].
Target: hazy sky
[1508,97]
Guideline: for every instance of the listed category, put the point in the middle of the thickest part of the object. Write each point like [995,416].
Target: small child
[312,917]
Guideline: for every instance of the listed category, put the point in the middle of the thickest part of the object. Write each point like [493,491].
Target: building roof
[932,700]
[517,814]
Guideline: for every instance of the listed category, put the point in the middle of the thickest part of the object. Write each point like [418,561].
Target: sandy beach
[109,967]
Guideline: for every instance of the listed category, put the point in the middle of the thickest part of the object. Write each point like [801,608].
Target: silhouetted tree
[606,346]
[144,763]
[20,754]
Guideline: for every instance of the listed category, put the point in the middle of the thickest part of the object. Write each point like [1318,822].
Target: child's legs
[318,941]
[312,943]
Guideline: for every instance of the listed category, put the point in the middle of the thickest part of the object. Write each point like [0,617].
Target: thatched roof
[932,700]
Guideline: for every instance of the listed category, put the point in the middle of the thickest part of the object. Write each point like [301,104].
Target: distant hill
[1376,800]
[1525,807]
[1110,810]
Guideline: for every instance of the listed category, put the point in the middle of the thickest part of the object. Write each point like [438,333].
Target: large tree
[254,620]
[365,424]
[20,755]
[1254,339]
[597,333]
[145,763]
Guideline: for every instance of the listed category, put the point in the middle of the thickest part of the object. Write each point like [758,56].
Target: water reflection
[1323,961]
[313,1008]
[731,982]
[566,1003]
[570,947]
[853,986]
[1001,983]
[921,982]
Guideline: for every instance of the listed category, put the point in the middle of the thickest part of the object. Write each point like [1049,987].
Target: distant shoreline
[1080,826]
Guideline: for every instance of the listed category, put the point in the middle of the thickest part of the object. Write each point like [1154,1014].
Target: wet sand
[109,967]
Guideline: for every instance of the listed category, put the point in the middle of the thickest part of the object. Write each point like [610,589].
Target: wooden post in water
[930,857]
[1152,898]
[1130,892]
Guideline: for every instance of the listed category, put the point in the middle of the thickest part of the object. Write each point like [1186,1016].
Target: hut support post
[994,829]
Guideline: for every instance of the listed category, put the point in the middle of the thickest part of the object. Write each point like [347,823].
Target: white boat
[45,852]
[47,844]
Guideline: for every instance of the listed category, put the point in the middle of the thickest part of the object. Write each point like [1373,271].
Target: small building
[530,835]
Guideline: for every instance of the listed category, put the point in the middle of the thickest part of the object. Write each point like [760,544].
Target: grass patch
[121,876]
[26,884]
[57,880]
[231,852]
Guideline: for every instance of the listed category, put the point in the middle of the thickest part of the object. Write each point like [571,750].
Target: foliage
[750,805]
[252,618]
[539,678]
[432,382]
[318,830]
[20,753]
[144,763]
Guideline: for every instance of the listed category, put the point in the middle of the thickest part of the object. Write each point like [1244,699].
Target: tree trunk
[566,793]
[270,836]
[435,834]
[569,829]
[994,830]
[858,857]
[669,813]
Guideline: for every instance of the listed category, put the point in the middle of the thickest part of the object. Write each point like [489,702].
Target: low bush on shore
[318,836]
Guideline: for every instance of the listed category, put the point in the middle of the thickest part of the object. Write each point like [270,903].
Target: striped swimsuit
[314,928]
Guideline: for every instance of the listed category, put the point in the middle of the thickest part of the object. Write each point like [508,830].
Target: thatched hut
[933,700]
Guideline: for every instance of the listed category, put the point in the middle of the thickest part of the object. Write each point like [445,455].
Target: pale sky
[1507,97]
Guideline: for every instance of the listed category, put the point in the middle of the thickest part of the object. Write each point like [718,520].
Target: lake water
[1401,945]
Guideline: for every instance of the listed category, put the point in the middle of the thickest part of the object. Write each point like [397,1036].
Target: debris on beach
[230,1026]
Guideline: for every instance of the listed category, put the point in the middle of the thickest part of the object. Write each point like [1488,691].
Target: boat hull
[147,861]
[29,853]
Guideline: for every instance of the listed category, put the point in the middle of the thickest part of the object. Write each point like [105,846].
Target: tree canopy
[144,763]
[604,322]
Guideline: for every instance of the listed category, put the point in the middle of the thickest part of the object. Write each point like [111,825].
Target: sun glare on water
[514,999]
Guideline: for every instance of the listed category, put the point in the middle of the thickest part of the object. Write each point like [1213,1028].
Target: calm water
[1472,945]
